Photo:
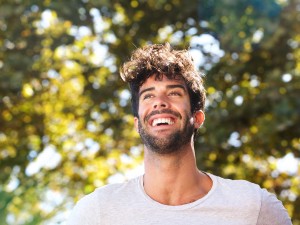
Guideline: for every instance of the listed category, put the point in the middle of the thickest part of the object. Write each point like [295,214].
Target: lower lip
[161,127]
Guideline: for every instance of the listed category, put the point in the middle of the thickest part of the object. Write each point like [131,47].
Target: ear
[199,118]
[136,124]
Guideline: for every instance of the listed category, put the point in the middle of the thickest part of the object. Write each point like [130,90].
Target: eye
[175,93]
[147,96]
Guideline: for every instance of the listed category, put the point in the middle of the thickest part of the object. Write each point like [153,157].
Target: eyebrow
[145,90]
[171,86]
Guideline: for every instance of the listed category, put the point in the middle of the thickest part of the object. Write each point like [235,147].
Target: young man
[168,102]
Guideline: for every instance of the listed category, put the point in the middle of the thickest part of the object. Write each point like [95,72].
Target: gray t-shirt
[229,202]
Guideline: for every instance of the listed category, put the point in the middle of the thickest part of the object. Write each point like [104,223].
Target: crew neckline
[177,207]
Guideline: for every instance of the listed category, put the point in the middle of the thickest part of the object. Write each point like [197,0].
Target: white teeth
[162,120]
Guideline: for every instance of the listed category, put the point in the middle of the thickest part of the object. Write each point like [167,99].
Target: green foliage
[65,117]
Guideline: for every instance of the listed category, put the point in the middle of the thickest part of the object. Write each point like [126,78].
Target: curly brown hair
[159,60]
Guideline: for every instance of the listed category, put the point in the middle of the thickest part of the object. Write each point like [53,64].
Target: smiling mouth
[162,121]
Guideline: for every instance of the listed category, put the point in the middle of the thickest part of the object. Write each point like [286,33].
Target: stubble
[170,143]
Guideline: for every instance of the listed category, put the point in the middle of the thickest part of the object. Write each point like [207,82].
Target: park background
[65,118]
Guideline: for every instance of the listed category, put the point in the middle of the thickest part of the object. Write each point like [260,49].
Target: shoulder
[272,212]
[238,195]
[237,186]
[113,192]
[84,211]
[88,209]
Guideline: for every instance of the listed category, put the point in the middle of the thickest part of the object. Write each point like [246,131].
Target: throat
[178,193]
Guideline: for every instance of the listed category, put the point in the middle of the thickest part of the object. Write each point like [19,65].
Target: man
[168,102]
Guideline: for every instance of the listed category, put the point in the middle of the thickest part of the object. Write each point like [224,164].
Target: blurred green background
[65,118]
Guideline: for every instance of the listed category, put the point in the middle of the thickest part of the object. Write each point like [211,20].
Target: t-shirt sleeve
[84,212]
[272,212]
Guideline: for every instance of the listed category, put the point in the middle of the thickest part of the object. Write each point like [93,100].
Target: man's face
[165,120]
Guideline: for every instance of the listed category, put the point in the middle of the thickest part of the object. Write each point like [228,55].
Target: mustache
[167,111]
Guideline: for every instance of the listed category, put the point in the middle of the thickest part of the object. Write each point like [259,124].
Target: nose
[160,102]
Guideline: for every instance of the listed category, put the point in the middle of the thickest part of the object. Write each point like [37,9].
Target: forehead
[162,80]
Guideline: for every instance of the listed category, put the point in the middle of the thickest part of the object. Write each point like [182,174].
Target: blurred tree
[65,122]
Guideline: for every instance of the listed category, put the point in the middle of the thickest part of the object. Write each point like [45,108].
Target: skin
[171,175]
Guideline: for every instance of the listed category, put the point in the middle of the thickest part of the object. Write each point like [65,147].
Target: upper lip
[164,113]
[161,116]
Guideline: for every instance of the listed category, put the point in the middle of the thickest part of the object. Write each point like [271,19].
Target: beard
[170,143]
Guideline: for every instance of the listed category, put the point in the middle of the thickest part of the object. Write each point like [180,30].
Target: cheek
[142,111]
[186,108]
[189,116]
[185,104]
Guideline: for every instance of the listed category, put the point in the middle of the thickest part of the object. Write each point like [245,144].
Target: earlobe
[136,124]
[199,118]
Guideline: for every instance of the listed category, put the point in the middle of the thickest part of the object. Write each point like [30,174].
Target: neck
[174,179]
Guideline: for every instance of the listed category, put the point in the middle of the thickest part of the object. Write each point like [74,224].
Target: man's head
[167,97]
[161,60]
